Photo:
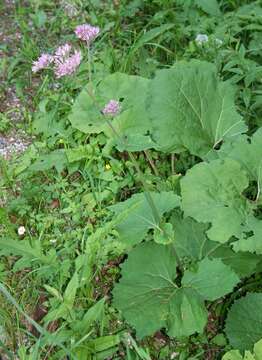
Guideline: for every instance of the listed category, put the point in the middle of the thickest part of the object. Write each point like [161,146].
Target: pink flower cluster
[42,62]
[64,63]
[68,65]
[87,32]
[112,108]
[62,52]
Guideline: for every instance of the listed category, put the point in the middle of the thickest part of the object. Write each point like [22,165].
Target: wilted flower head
[42,62]
[69,8]
[67,65]
[112,108]
[201,39]
[21,230]
[87,32]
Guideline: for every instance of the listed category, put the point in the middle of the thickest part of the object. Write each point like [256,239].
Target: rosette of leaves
[131,124]
[191,109]
[149,297]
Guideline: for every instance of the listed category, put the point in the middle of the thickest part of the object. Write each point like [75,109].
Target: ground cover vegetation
[131,227]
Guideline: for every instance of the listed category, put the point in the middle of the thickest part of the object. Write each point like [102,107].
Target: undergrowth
[131,226]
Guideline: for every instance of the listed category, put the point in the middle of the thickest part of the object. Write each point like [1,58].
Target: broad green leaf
[190,238]
[251,243]
[243,263]
[22,248]
[79,153]
[140,219]
[67,302]
[212,280]
[211,7]
[212,192]
[244,322]
[131,124]
[248,152]
[190,108]
[258,350]
[93,314]
[56,158]
[70,291]
[233,355]
[150,299]
[104,343]
[145,286]
[187,313]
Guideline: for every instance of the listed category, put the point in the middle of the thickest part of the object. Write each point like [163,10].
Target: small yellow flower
[108,166]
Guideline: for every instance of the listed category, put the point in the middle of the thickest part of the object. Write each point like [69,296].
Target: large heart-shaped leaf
[212,192]
[131,124]
[209,277]
[146,284]
[150,299]
[248,152]
[244,322]
[190,238]
[190,108]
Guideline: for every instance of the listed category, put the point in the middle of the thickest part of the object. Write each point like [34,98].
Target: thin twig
[173,158]
[151,162]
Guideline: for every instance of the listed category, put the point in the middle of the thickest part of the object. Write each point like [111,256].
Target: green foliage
[149,297]
[213,192]
[209,6]
[150,219]
[247,151]
[209,275]
[141,214]
[235,354]
[191,109]
[247,312]
[131,124]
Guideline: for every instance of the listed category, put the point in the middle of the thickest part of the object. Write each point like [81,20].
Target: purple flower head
[69,65]
[112,108]
[42,62]
[87,32]
[62,53]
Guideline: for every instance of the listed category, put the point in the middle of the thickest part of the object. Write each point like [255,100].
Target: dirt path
[12,141]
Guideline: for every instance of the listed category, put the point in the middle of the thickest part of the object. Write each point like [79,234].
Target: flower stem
[89,65]
[147,193]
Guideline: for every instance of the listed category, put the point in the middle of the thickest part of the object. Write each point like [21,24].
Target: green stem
[173,164]
[89,65]
[147,192]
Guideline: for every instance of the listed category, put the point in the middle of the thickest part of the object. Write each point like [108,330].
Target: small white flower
[21,230]
[52,241]
[201,39]
[174,355]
